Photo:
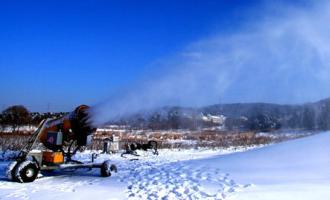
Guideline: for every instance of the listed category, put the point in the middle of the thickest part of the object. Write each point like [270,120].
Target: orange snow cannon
[62,137]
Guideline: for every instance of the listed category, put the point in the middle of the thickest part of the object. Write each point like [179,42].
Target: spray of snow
[281,58]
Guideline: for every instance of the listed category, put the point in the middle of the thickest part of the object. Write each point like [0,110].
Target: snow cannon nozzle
[81,123]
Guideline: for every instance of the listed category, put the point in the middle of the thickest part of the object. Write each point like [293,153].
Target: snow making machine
[61,138]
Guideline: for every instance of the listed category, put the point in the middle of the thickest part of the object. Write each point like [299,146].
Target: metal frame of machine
[73,128]
[131,148]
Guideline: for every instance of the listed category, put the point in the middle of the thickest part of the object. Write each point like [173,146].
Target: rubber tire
[10,170]
[22,170]
[113,168]
[106,168]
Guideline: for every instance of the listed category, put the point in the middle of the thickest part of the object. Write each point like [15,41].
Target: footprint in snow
[175,181]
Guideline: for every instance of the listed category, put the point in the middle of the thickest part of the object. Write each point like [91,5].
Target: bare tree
[16,116]
[1,123]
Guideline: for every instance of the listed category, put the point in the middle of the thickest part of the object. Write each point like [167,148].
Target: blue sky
[55,55]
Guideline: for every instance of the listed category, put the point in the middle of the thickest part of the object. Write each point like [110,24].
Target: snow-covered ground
[25,128]
[295,169]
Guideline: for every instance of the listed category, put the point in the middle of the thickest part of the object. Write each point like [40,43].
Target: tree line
[17,116]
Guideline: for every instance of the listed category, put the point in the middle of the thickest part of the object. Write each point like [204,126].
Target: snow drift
[296,169]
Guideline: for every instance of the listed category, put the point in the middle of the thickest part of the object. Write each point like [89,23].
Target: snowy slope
[297,169]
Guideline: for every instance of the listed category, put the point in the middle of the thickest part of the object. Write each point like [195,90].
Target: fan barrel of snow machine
[81,125]
[73,126]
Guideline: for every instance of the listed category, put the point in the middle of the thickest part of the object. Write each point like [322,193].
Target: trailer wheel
[113,168]
[10,170]
[106,168]
[26,171]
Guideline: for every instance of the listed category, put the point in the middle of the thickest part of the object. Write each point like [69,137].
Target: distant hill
[238,116]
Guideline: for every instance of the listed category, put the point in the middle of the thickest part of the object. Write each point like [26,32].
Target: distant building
[220,120]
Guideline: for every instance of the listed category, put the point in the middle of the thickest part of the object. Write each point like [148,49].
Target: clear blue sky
[59,54]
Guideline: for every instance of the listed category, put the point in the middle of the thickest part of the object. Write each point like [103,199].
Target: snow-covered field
[297,169]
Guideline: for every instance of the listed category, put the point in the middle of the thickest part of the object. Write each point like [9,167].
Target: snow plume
[284,57]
